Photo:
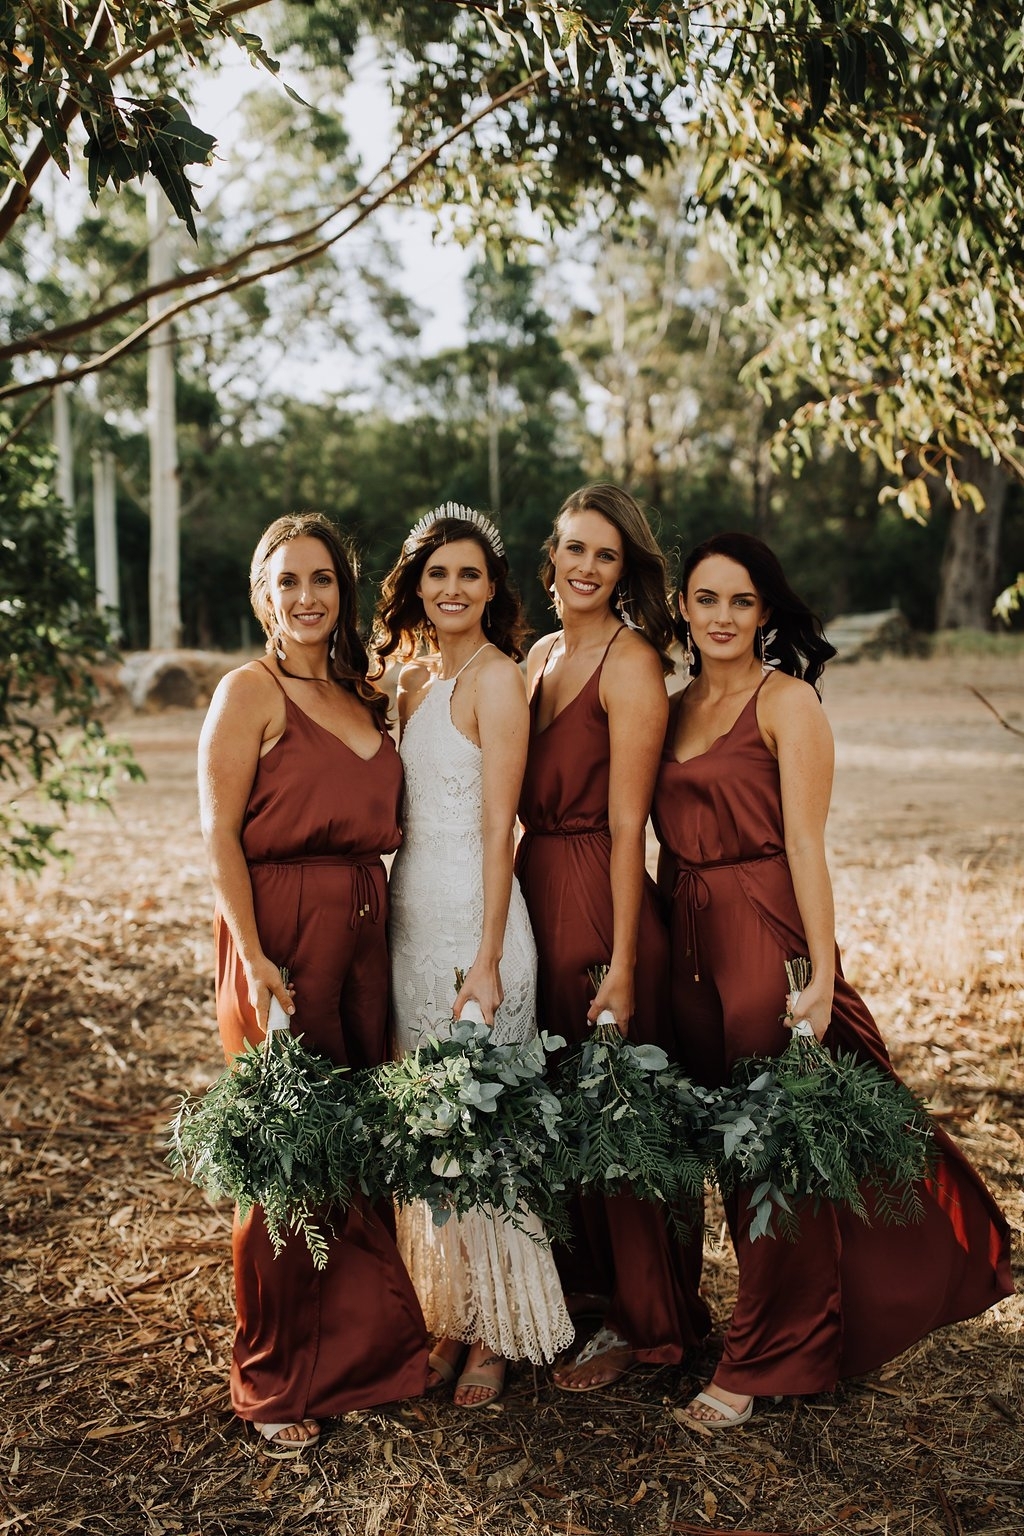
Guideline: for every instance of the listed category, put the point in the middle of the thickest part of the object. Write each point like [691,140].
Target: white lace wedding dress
[476,1277]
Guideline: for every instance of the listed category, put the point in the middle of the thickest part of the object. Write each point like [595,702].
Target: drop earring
[768,662]
[688,656]
[279,650]
[623,602]
[334,642]
[487,616]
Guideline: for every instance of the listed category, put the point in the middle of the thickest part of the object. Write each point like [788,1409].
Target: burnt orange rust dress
[312,1343]
[621,1246]
[847,1296]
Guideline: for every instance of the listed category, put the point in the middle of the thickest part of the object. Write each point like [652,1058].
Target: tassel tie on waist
[365,895]
[693,892]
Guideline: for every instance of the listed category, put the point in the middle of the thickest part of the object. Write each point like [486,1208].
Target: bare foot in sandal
[444,1360]
[601,1363]
[483,1379]
[282,1441]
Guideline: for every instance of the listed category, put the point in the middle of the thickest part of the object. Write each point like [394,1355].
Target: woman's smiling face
[303,588]
[722,608]
[454,587]
[588,562]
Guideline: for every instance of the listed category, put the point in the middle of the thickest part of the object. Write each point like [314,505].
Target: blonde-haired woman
[598,709]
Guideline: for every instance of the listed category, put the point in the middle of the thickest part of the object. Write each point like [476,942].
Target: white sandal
[605,1342]
[284,1450]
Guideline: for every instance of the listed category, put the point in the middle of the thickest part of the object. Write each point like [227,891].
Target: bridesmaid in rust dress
[299,792]
[740,807]
[598,709]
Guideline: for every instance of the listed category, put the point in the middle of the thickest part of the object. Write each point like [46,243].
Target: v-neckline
[681,762]
[535,696]
[328,732]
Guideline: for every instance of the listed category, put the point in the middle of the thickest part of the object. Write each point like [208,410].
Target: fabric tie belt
[365,895]
[692,891]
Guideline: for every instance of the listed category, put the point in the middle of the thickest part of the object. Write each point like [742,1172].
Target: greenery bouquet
[810,1125]
[464,1124]
[630,1120]
[280,1128]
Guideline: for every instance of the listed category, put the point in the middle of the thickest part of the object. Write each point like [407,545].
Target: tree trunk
[104,511]
[164,610]
[968,581]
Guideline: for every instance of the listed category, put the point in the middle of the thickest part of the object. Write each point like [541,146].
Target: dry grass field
[115,1293]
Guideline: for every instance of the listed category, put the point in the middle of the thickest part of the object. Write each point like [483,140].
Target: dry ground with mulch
[115,1293]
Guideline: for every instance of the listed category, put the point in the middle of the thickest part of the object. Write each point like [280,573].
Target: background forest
[613,327]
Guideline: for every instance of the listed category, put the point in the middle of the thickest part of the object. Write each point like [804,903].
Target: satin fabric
[848,1295]
[314,1343]
[621,1246]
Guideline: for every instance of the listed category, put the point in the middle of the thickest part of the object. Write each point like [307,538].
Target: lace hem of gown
[483,1278]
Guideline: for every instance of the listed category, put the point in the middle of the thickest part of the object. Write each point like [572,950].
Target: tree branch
[19,193]
[309,253]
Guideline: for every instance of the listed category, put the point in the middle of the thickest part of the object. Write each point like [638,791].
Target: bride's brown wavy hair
[350,663]
[645,572]
[401,626]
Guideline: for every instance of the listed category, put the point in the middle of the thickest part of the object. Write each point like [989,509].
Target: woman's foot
[282,1441]
[444,1361]
[483,1379]
[716,1409]
[600,1363]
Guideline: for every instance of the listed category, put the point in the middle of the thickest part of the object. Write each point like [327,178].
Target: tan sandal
[445,1370]
[481,1376]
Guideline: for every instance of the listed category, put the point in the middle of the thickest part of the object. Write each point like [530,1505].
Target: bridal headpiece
[452,509]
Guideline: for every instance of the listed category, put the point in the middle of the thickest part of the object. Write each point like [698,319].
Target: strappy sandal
[605,1342]
[285,1450]
[480,1376]
[445,1370]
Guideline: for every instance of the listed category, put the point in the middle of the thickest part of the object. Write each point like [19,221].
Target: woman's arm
[801,737]
[633,694]
[502,720]
[240,718]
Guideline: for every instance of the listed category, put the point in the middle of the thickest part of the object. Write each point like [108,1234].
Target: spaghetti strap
[608,647]
[276,679]
[465,664]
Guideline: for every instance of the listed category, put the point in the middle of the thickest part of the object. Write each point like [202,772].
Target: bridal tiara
[453,510]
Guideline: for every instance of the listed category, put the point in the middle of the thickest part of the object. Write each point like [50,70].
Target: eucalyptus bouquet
[810,1125]
[280,1128]
[630,1120]
[465,1124]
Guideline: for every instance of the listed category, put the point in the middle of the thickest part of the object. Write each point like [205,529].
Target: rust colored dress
[621,1246]
[313,1343]
[847,1295]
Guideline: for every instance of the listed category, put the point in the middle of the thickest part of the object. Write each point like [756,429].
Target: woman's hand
[814,1004]
[616,994]
[265,981]
[483,982]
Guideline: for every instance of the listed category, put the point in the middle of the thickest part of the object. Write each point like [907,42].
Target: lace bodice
[437,896]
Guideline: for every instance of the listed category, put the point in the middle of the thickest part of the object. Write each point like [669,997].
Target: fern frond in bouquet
[810,1125]
[630,1120]
[465,1124]
[279,1128]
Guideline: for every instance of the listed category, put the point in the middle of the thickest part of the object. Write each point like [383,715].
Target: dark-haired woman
[489,1291]
[299,788]
[597,720]
[740,807]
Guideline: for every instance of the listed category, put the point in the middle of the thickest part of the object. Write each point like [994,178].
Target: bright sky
[432,271]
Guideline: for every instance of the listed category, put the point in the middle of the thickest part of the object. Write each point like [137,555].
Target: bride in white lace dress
[456,905]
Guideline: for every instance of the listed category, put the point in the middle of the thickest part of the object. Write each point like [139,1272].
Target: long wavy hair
[644,582]
[799,643]
[400,625]
[350,662]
